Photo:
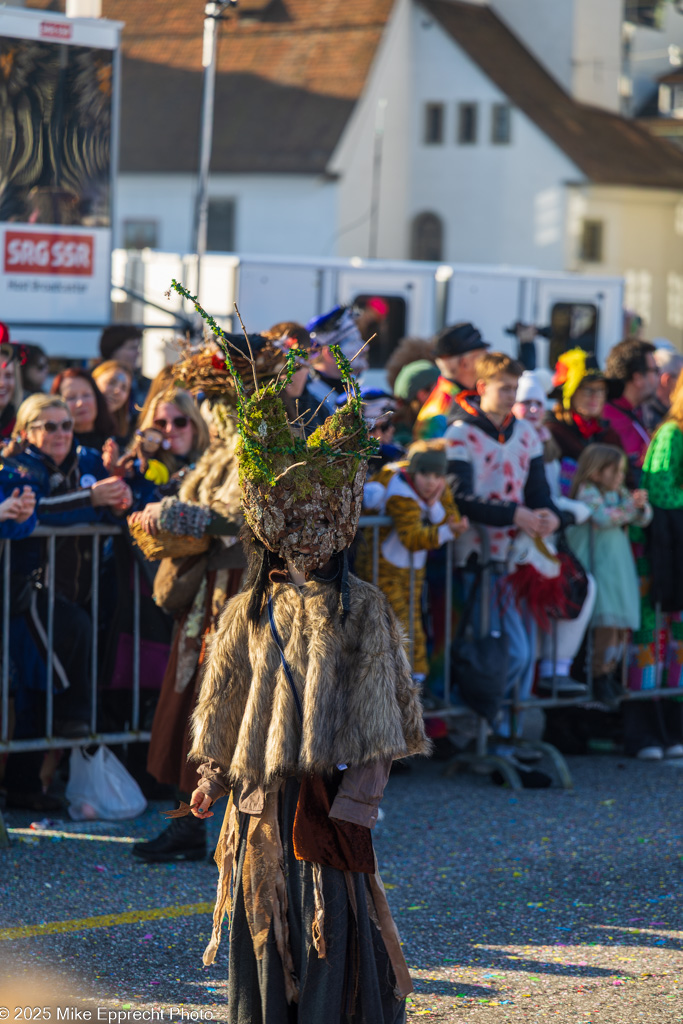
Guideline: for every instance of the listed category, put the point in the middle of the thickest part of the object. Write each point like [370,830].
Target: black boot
[184,839]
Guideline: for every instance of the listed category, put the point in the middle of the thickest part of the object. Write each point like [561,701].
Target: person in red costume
[577,419]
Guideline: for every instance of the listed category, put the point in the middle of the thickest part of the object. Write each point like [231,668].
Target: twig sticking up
[316,411]
[364,346]
[251,354]
[286,471]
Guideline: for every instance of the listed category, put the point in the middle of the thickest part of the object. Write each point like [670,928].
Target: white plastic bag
[100,787]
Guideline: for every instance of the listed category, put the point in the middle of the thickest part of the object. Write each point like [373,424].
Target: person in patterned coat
[424,516]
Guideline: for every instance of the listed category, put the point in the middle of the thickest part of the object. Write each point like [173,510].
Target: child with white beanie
[530,405]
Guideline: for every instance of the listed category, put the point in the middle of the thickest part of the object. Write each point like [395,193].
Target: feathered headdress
[297,493]
[571,370]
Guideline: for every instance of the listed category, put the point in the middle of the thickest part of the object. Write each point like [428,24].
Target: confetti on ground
[540,907]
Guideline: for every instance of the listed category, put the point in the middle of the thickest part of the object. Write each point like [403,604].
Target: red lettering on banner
[47,253]
[55,30]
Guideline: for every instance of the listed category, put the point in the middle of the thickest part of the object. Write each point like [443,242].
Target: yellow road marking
[37,833]
[104,920]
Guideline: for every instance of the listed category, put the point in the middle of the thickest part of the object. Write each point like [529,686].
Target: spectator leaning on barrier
[602,545]
[456,352]
[577,419]
[424,516]
[500,483]
[633,378]
[555,665]
[669,364]
[70,487]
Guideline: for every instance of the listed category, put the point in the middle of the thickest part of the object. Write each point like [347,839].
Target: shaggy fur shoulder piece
[359,701]
[214,480]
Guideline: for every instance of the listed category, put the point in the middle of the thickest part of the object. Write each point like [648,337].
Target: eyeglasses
[50,427]
[179,422]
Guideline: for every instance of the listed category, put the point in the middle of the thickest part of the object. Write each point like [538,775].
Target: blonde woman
[176,415]
[71,488]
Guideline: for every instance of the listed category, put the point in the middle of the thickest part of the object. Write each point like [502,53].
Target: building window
[649,13]
[467,124]
[140,234]
[433,126]
[427,238]
[501,116]
[591,241]
[220,234]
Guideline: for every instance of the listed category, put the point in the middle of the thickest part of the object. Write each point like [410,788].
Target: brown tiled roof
[672,77]
[289,74]
[608,149]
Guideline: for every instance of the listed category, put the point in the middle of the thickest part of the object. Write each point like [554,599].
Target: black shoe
[184,839]
[33,800]
[529,777]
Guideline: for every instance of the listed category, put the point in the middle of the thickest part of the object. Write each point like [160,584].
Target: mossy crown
[287,478]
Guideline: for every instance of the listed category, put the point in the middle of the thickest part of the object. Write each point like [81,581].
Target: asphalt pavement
[543,905]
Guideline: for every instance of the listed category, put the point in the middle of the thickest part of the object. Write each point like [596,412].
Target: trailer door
[408,294]
[579,312]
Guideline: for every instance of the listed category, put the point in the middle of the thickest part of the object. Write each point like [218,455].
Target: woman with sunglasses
[175,414]
[71,487]
[92,421]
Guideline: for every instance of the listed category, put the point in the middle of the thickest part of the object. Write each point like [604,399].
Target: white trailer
[422,298]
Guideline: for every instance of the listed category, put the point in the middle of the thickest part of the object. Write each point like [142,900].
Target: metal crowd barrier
[49,741]
[448,707]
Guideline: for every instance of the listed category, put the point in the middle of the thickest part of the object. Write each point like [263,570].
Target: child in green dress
[603,546]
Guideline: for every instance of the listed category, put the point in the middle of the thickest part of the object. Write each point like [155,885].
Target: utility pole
[213,13]
[376,180]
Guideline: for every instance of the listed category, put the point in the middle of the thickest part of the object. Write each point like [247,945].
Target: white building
[437,129]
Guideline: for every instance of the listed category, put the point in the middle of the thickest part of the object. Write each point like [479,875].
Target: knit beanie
[413,377]
[529,389]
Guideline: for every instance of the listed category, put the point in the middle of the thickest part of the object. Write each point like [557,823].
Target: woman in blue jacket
[71,487]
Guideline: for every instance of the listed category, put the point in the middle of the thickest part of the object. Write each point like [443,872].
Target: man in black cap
[457,351]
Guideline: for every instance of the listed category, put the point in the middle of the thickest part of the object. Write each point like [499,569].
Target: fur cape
[359,701]
[214,481]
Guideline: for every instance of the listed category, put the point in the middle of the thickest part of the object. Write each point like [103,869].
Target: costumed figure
[202,563]
[306,699]
[424,517]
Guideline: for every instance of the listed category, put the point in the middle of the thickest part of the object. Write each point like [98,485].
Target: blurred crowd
[562,492]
